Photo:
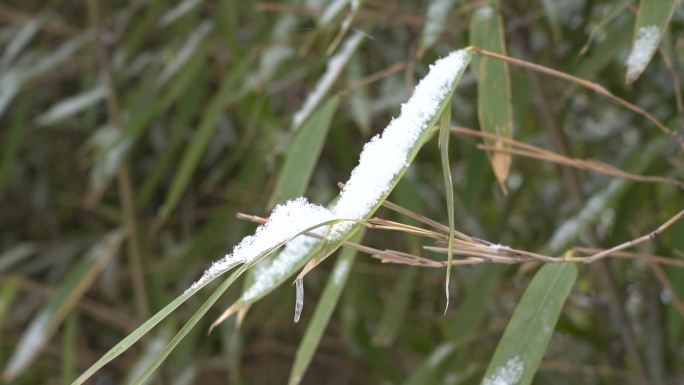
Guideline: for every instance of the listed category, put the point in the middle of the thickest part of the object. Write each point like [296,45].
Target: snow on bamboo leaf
[644,47]
[286,221]
[380,161]
[299,301]
[384,156]
[509,374]
[270,272]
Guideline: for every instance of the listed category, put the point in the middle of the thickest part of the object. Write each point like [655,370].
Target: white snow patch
[644,47]
[384,156]
[498,247]
[332,71]
[286,221]
[571,228]
[266,275]
[508,374]
[299,301]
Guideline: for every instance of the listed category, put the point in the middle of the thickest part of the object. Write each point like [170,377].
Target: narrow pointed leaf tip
[645,45]
[332,72]
[286,221]
[384,156]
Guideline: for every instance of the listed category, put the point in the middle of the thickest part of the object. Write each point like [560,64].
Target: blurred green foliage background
[131,132]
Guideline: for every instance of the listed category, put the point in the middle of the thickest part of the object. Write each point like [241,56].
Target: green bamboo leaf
[199,314]
[494,108]
[143,329]
[324,309]
[652,21]
[196,317]
[73,287]
[527,335]
[303,154]
[151,349]
[444,134]
[438,13]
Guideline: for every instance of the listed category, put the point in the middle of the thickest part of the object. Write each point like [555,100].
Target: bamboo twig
[597,88]
[644,238]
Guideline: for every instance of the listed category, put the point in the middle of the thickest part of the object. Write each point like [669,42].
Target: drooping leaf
[527,335]
[444,134]
[494,108]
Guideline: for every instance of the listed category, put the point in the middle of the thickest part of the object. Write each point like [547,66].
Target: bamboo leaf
[444,134]
[652,21]
[324,309]
[196,317]
[74,286]
[527,335]
[143,329]
[303,154]
[494,107]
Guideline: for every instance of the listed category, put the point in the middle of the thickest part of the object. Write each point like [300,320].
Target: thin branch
[599,89]
[531,151]
[374,77]
[644,238]
[634,256]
